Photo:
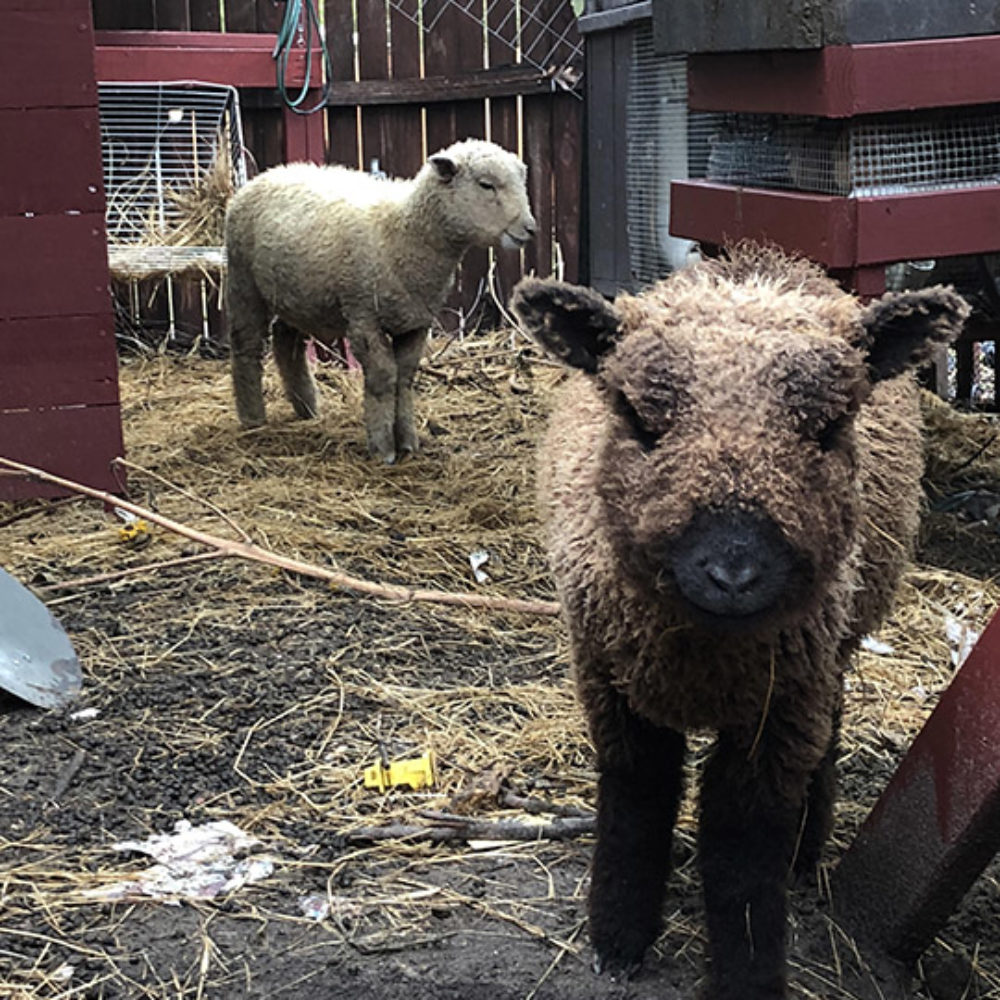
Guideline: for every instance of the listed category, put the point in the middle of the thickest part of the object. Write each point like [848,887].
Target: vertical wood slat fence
[410,77]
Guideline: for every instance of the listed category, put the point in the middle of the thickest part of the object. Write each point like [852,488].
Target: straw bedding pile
[229,690]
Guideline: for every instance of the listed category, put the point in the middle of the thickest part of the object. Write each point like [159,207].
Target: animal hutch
[865,135]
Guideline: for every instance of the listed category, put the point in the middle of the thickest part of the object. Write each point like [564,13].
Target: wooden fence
[409,77]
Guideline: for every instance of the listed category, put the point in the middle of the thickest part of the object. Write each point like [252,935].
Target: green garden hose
[294,21]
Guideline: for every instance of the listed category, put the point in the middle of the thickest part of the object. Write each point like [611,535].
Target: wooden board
[686,26]
[36,148]
[37,37]
[55,265]
[76,443]
[57,362]
[342,123]
[609,60]
[937,824]
[842,81]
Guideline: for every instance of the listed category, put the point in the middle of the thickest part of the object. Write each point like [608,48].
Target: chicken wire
[160,139]
[544,36]
[665,142]
[860,157]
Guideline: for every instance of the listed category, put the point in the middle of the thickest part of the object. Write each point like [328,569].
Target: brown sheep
[730,487]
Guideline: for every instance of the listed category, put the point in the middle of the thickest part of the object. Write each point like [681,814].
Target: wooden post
[937,824]
[58,366]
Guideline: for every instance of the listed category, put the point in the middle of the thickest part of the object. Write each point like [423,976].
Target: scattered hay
[509,722]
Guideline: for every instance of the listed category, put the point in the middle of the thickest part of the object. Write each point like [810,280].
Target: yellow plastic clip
[417,772]
[136,532]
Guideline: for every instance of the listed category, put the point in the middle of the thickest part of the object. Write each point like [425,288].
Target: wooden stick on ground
[255,553]
[472,829]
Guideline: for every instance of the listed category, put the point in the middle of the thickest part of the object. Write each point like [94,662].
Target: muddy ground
[227,690]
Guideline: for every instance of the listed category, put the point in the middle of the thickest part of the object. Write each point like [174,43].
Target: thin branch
[470,829]
[86,581]
[254,553]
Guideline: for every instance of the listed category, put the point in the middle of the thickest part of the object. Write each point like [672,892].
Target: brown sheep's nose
[736,574]
[732,564]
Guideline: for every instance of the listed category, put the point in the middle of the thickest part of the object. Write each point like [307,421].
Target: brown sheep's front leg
[373,349]
[639,789]
[820,800]
[751,807]
[408,349]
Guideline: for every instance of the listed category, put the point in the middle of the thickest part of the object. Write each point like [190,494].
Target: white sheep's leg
[408,349]
[373,349]
[247,322]
[293,367]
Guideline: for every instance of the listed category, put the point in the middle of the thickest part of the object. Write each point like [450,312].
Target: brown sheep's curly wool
[730,488]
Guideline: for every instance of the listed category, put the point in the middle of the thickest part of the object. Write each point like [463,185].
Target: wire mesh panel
[865,156]
[160,142]
[666,142]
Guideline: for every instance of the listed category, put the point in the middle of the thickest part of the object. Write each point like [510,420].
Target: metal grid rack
[158,139]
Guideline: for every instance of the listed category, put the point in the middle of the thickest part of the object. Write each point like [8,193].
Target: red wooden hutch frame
[855,237]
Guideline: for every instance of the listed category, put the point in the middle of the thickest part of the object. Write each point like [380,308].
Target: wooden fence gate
[408,78]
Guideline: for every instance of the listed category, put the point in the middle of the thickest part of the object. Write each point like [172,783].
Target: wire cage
[865,156]
[665,142]
[172,154]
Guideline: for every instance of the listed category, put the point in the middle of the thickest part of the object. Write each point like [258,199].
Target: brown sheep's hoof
[615,970]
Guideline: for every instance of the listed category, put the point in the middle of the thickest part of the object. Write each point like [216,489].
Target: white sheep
[330,252]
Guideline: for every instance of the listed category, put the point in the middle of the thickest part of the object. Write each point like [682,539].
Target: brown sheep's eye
[646,438]
[830,433]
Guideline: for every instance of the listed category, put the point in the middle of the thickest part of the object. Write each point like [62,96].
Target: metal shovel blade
[37,660]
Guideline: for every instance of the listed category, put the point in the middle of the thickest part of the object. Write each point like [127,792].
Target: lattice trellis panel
[543,36]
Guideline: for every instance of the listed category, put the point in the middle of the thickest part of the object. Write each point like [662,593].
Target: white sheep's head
[728,395]
[485,200]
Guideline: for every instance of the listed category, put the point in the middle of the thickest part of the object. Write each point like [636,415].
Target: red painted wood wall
[59,407]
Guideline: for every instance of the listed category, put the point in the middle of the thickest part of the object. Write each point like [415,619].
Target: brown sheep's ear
[445,166]
[575,324]
[903,329]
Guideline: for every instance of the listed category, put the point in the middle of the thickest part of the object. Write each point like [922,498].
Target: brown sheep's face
[728,468]
[729,462]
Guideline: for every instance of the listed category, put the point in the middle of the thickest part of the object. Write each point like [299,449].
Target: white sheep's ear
[445,166]
[575,324]
[902,330]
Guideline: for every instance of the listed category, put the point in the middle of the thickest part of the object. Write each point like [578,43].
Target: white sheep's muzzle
[514,241]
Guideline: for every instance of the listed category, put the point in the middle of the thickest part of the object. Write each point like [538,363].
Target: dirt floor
[228,690]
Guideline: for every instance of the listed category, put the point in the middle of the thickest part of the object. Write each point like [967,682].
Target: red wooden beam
[928,224]
[820,226]
[840,81]
[841,232]
[305,135]
[937,824]
[235,58]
